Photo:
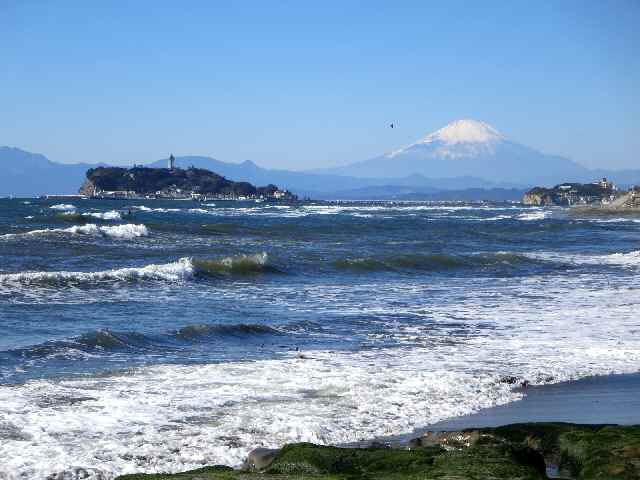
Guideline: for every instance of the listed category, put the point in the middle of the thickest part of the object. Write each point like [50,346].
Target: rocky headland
[528,451]
[627,204]
[567,194]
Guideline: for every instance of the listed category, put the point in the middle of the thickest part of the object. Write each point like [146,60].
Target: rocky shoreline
[519,451]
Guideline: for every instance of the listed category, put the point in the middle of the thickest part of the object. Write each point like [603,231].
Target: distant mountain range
[466,157]
[476,149]
[26,174]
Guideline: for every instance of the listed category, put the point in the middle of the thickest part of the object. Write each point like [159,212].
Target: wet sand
[611,399]
[602,399]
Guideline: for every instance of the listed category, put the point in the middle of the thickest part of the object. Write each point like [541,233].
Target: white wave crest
[63,206]
[126,231]
[110,215]
[530,216]
[142,208]
[173,272]
[630,258]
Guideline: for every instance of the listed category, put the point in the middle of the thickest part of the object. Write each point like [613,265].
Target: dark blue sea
[159,336]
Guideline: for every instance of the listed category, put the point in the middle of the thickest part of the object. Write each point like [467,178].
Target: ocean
[161,336]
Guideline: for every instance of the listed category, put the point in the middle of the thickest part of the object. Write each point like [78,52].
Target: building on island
[602,192]
[606,184]
[172,162]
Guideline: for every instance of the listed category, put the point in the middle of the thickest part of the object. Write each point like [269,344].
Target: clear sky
[313,84]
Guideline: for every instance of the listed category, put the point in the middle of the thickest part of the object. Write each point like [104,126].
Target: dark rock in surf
[260,458]
[446,440]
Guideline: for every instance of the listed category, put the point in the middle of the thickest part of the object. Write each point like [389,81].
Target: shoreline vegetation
[518,451]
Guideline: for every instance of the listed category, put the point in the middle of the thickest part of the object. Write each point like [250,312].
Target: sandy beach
[611,399]
[607,399]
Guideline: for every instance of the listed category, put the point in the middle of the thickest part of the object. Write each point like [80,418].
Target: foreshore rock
[260,458]
[520,451]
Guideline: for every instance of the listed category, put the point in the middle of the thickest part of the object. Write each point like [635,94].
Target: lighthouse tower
[172,162]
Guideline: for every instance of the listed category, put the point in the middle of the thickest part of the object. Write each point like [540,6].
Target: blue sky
[313,84]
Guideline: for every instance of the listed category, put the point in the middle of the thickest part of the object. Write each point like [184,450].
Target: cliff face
[147,181]
[538,197]
[88,188]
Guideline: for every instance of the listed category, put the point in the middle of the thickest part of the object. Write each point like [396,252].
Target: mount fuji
[469,148]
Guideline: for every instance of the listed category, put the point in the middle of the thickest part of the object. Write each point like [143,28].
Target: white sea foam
[62,206]
[174,271]
[180,270]
[612,220]
[628,259]
[110,215]
[536,215]
[142,208]
[126,231]
[355,209]
[170,418]
[495,218]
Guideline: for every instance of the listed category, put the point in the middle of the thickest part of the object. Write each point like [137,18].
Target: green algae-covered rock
[207,473]
[606,453]
[306,458]
[514,452]
[584,452]
[494,461]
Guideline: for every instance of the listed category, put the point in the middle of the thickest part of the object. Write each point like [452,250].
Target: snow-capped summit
[467,148]
[464,131]
[462,138]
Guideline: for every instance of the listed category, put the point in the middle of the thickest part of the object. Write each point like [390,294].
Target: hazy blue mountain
[316,184]
[30,174]
[395,192]
[464,155]
[473,148]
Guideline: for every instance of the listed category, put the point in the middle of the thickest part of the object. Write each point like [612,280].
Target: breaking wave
[200,331]
[173,272]
[532,216]
[238,265]
[126,231]
[437,262]
[110,215]
[97,341]
[62,206]
[183,269]
[629,258]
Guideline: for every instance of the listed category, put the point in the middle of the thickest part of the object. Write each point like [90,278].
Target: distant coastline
[601,196]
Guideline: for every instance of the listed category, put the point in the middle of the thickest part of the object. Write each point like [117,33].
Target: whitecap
[62,206]
[530,216]
[174,271]
[110,215]
[125,231]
